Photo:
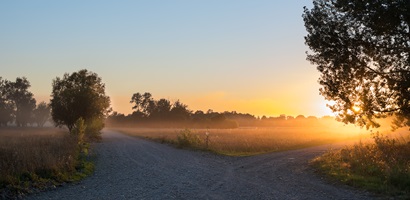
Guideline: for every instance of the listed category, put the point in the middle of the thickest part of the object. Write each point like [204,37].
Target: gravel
[133,168]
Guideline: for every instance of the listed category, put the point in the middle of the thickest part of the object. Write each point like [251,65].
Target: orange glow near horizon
[220,102]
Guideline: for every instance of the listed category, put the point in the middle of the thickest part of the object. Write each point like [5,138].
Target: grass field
[250,141]
[37,158]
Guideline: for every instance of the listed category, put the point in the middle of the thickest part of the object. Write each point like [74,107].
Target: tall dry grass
[382,166]
[250,141]
[35,158]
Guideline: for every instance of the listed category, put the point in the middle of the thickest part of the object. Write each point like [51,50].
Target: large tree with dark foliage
[361,49]
[144,104]
[180,111]
[79,95]
[16,102]
[6,106]
[23,100]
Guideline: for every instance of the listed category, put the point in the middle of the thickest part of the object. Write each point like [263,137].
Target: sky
[224,55]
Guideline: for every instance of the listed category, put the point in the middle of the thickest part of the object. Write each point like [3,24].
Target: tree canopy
[6,106]
[79,95]
[161,109]
[16,102]
[23,100]
[361,49]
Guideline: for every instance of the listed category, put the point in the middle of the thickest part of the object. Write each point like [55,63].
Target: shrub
[187,139]
[93,128]
[382,166]
[78,131]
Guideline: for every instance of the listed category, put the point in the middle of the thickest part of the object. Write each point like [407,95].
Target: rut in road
[133,168]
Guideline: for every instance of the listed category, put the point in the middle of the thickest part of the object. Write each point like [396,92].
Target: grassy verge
[241,142]
[382,166]
[35,159]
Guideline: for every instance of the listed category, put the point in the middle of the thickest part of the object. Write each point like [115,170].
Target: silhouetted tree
[362,50]
[199,112]
[22,100]
[312,118]
[216,117]
[161,109]
[300,117]
[281,117]
[80,95]
[42,113]
[198,116]
[6,106]
[179,111]
[137,115]
[137,99]
[116,118]
[147,102]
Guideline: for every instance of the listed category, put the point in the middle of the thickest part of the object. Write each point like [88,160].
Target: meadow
[33,159]
[249,141]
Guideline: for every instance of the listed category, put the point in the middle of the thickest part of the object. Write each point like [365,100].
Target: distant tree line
[248,120]
[79,99]
[18,106]
[149,112]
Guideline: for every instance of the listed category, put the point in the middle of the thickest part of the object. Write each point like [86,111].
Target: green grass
[382,166]
[33,159]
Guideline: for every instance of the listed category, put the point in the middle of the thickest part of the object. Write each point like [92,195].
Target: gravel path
[132,168]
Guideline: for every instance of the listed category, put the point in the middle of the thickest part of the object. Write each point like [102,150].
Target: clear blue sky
[239,55]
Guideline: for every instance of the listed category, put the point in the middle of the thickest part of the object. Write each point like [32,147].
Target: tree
[300,117]
[148,103]
[6,106]
[42,113]
[361,49]
[79,95]
[161,109]
[179,111]
[137,99]
[22,100]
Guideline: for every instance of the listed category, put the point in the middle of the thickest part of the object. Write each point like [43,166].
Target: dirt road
[132,168]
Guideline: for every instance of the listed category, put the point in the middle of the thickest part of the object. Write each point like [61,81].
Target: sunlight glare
[356,109]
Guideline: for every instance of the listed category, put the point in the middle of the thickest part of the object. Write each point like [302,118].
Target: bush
[186,139]
[382,166]
[78,131]
[93,128]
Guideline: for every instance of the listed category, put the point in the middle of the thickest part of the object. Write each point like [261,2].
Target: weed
[38,158]
[382,166]
[186,139]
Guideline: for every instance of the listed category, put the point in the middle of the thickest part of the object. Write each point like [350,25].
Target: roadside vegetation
[35,159]
[247,141]
[382,166]
[365,72]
